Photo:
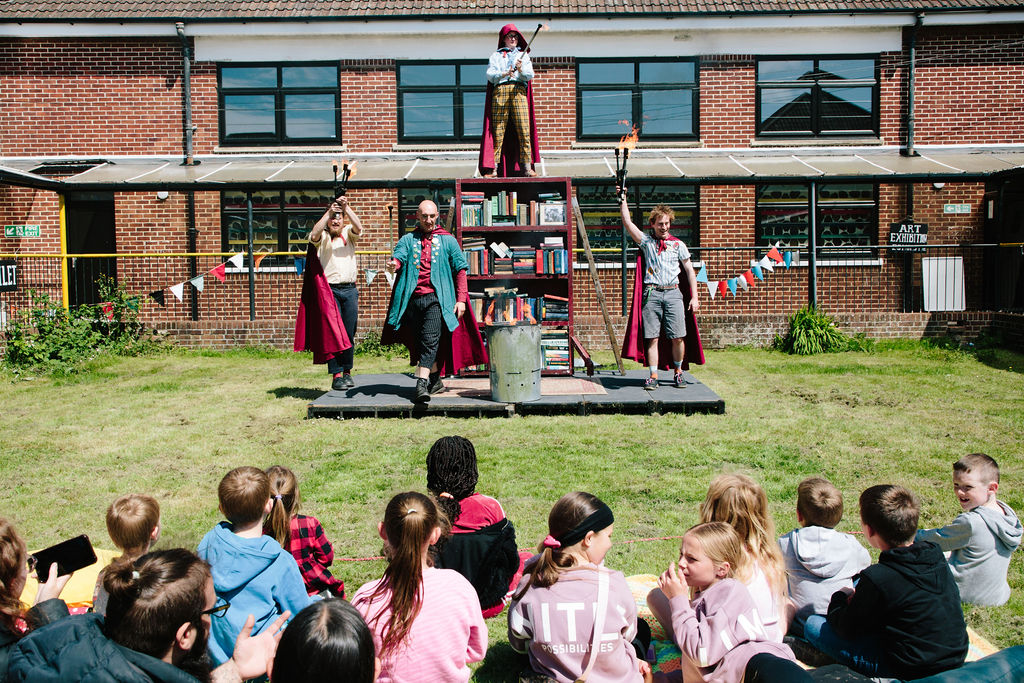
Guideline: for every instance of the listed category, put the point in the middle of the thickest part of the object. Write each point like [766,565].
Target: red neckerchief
[663,243]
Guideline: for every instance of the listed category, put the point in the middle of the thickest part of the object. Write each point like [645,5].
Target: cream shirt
[338,256]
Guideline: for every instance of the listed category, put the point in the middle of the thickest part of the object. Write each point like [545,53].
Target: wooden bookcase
[540,221]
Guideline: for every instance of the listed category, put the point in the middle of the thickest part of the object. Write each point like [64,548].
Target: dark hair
[243,494]
[13,556]
[326,641]
[891,511]
[451,469]
[819,502]
[284,484]
[153,596]
[984,465]
[567,513]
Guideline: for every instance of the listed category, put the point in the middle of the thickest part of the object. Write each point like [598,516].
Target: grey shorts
[663,311]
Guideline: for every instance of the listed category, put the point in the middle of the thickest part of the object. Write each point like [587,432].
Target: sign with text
[21,231]
[908,236]
[956,208]
[8,275]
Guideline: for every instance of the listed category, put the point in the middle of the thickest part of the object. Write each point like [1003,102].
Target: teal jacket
[446,259]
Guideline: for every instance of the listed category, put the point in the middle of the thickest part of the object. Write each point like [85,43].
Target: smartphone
[69,556]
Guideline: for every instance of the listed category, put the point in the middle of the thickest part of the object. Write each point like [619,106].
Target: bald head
[426,216]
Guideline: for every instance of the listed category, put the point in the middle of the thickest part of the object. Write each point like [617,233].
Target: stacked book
[475,250]
[552,257]
[554,346]
[554,308]
[473,208]
[524,259]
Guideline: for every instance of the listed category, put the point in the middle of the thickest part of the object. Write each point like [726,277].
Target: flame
[334,165]
[629,141]
[352,169]
[544,27]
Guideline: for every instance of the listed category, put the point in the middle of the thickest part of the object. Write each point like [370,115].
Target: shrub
[811,331]
[371,346]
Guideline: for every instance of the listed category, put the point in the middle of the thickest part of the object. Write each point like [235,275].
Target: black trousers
[424,318]
[347,298]
[766,668]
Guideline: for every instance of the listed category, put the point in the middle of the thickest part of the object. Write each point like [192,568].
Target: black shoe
[435,385]
[339,383]
[422,392]
[346,381]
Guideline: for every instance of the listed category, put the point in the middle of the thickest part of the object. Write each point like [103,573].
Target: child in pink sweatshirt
[426,622]
[714,619]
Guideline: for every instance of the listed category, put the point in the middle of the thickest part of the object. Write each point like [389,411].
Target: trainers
[338,384]
[422,392]
[346,380]
[434,384]
[680,380]
[651,383]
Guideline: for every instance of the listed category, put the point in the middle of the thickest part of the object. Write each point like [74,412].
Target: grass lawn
[172,424]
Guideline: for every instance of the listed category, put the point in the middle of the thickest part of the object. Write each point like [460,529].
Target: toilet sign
[908,236]
[8,275]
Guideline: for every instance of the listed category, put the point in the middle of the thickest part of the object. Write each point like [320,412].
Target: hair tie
[278,496]
[550,542]
[445,494]
[410,511]
[135,575]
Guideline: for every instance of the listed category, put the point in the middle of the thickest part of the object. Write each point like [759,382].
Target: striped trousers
[424,315]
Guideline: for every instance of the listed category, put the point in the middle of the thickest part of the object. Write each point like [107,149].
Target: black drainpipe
[911,77]
[190,197]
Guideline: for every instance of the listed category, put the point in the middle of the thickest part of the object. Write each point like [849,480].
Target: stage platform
[390,395]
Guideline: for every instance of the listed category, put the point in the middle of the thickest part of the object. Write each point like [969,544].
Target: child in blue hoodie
[250,571]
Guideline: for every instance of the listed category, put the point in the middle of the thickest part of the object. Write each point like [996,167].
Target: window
[817,97]
[282,221]
[409,199]
[441,102]
[847,216]
[659,97]
[272,105]
[600,209]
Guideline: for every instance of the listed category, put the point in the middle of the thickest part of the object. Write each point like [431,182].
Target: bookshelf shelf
[510,256]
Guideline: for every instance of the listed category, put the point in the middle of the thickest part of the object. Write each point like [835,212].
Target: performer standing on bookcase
[329,303]
[429,310]
[664,299]
[509,102]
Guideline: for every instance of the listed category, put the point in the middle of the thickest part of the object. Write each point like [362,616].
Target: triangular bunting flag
[788,259]
[370,275]
[258,259]
[237,260]
[722,289]
[756,270]
[749,277]
[741,280]
[767,264]
[712,289]
[218,272]
[198,282]
[774,254]
[300,264]
[390,278]
[732,285]
[107,308]
[177,290]
[158,296]
[702,274]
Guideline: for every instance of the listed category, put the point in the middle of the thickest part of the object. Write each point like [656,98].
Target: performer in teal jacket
[429,304]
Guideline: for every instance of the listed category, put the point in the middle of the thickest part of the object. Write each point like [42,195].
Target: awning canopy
[252,173]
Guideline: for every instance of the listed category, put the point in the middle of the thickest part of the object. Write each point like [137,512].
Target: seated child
[251,571]
[819,559]
[981,539]
[714,619]
[482,544]
[903,617]
[327,641]
[133,522]
[301,535]
[567,600]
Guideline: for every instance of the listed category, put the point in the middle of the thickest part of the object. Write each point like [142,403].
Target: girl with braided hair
[482,542]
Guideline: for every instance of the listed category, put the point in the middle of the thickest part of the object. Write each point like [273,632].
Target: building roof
[219,10]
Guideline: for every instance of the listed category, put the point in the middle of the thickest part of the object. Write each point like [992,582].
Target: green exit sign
[21,231]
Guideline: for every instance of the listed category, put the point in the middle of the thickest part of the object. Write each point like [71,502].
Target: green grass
[172,424]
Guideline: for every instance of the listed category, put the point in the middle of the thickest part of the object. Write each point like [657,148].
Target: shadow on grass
[501,665]
[1002,359]
[304,393]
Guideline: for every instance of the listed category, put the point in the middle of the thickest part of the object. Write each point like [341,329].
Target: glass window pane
[785,224]
[299,227]
[786,194]
[248,114]
[248,77]
[426,74]
[309,116]
[852,192]
[846,69]
[772,70]
[845,226]
[309,76]
[603,112]
[307,198]
[666,72]
[606,73]
[785,110]
[846,109]
[667,112]
[428,114]
[473,114]
[472,74]
[673,195]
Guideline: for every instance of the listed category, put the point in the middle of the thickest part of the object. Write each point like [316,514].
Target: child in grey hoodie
[819,559]
[982,538]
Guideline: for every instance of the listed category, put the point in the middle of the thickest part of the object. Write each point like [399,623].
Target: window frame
[280,92]
[457,90]
[816,99]
[636,88]
[281,212]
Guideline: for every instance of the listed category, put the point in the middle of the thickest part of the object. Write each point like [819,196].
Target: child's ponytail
[564,522]
[284,489]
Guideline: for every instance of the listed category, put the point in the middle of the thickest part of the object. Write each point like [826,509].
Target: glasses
[218,609]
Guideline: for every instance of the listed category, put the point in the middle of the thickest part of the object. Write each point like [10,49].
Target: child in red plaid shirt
[301,535]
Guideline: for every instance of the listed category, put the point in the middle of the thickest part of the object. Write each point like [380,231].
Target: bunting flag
[258,259]
[741,281]
[702,274]
[158,296]
[390,277]
[237,260]
[732,285]
[198,282]
[774,254]
[722,289]
[712,289]
[177,290]
[788,259]
[767,264]
[218,272]
[749,277]
[300,264]
[756,270]
[370,275]
[107,308]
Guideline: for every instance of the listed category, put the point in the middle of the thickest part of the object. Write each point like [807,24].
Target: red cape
[509,164]
[318,325]
[633,341]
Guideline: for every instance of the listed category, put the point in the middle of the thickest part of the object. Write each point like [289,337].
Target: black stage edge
[390,395]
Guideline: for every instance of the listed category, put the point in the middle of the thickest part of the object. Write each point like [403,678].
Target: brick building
[142,129]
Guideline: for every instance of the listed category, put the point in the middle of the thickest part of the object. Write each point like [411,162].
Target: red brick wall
[727,100]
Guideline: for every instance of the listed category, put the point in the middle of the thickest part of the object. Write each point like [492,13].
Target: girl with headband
[575,618]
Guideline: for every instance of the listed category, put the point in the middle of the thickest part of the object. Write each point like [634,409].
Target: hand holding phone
[69,556]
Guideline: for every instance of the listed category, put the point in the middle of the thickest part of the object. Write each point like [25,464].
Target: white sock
[654,370]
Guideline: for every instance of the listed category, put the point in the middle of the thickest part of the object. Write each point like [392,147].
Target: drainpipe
[190,197]
[910,85]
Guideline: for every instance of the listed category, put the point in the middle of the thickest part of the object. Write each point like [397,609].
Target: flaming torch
[626,143]
[347,171]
